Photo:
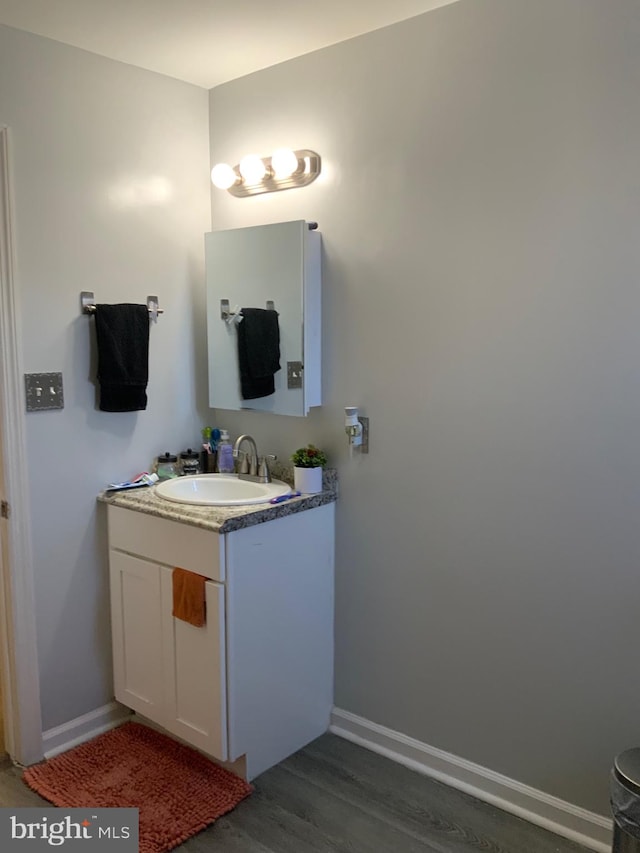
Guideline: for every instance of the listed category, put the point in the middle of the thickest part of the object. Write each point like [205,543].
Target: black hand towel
[122,332]
[258,352]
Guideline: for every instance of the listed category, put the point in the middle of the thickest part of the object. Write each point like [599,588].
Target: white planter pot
[308,480]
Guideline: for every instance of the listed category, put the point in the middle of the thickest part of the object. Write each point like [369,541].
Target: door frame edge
[19,668]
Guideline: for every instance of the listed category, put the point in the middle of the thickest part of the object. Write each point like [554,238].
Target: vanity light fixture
[284,170]
[252,169]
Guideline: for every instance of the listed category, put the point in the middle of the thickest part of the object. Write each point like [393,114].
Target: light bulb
[223,176]
[284,163]
[252,169]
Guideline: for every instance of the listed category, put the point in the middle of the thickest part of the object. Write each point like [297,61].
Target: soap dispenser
[225,454]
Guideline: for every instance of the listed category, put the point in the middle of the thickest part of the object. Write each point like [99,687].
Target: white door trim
[18,648]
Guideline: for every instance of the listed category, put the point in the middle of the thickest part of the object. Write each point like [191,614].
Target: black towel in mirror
[122,333]
[258,352]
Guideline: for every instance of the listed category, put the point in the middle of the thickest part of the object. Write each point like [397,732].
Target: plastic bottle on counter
[225,454]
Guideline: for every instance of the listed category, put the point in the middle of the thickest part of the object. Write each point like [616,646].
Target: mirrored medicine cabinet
[275,267]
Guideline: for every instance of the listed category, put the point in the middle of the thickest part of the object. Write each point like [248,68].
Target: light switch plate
[43,391]
[294,374]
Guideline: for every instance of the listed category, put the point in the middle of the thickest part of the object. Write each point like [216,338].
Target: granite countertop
[222,519]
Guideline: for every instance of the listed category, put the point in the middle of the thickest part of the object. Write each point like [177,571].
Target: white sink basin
[219,490]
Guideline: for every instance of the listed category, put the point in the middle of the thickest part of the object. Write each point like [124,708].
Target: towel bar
[88,305]
[234,315]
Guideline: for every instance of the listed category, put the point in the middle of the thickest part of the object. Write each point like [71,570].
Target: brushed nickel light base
[307,171]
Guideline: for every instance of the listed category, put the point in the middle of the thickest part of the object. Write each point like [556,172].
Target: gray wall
[111,195]
[479,209]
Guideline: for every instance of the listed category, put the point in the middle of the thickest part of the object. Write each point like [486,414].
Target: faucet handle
[244,462]
[263,471]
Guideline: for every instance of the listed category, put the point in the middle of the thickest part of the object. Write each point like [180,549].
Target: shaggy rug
[177,790]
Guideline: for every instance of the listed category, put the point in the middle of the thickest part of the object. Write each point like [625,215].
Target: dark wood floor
[336,797]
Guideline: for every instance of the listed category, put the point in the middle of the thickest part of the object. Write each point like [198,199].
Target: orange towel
[189,597]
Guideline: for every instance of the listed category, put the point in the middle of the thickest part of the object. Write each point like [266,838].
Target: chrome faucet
[252,467]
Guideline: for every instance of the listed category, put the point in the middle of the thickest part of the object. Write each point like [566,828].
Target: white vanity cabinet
[256,681]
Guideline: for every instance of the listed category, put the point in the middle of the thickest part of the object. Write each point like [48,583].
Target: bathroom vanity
[255,683]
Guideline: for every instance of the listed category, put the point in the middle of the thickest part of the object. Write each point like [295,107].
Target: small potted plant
[307,471]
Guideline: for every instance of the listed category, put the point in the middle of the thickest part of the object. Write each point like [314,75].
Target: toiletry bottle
[225,454]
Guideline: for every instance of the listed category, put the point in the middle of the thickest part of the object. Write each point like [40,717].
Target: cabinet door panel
[137,634]
[195,676]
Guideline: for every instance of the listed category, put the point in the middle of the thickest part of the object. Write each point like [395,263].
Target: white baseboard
[83,728]
[565,819]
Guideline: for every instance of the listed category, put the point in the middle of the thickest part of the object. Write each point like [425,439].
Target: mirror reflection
[263,318]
